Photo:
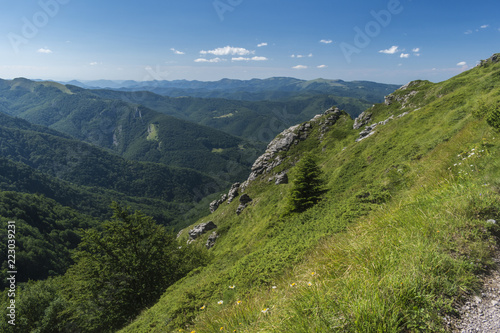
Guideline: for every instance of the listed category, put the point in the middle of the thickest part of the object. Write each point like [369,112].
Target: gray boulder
[216,203]
[362,120]
[281,178]
[200,229]
[211,240]
[244,200]
[233,192]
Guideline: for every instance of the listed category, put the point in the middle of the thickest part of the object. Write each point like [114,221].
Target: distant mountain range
[275,88]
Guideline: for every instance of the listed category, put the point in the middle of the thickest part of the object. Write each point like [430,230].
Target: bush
[493,117]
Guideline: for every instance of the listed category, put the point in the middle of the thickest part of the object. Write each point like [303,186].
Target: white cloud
[214,60]
[259,59]
[249,59]
[392,50]
[310,55]
[322,66]
[262,44]
[44,50]
[416,50]
[485,26]
[462,63]
[177,51]
[228,50]
[326,41]
[299,67]
[468,32]
[95,63]
[404,55]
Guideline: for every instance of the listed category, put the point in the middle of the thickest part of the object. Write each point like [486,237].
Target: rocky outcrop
[244,200]
[367,132]
[216,203]
[362,120]
[200,229]
[403,99]
[233,192]
[491,60]
[272,157]
[333,114]
[211,240]
[280,178]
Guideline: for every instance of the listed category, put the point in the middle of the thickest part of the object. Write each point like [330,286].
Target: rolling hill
[130,130]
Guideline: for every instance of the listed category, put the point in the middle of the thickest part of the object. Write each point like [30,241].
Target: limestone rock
[216,203]
[493,59]
[403,99]
[281,178]
[233,192]
[362,120]
[211,240]
[244,200]
[200,229]
[368,131]
[285,141]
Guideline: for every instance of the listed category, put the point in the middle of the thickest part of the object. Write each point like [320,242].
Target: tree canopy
[308,185]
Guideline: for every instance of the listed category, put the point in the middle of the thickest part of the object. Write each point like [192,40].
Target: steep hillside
[36,159]
[130,130]
[406,225]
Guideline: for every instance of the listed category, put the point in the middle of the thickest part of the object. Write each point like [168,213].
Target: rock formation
[244,200]
[272,157]
[362,120]
[211,240]
[200,229]
[216,203]
[233,192]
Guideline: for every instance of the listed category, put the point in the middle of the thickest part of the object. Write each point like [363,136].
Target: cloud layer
[228,50]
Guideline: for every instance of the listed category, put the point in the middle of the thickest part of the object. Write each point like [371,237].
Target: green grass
[398,239]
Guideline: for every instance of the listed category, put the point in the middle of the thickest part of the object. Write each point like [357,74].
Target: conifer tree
[308,186]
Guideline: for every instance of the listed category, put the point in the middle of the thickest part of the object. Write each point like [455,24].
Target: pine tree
[308,186]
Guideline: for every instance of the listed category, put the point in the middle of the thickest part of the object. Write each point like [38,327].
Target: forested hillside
[253,120]
[130,130]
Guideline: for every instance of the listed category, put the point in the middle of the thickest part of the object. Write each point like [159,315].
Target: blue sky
[386,41]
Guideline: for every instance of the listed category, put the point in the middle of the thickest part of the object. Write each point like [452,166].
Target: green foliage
[308,185]
[122,270]
[39,308]
[493,117]
[46,234]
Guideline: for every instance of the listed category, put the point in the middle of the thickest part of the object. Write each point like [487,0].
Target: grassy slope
[400,236]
